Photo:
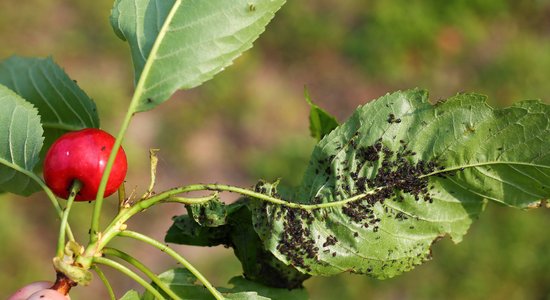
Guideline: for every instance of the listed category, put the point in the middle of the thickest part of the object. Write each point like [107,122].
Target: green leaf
[130,295]
[185,285]
[210,214]
[20,143]
[180,44]
[402,173]
[202,226]
[242,284]
[258,263]
[62,105]
[321,122]
[187,231]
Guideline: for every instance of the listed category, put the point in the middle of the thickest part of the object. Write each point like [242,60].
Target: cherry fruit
[48,294]
[25,292]
[82,155]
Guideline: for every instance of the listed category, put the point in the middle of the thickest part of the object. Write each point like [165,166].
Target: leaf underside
[20,143]
[402,173]
[181,44]
[231,226]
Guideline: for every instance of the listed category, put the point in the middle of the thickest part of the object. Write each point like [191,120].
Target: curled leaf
[400,174]
[77,274]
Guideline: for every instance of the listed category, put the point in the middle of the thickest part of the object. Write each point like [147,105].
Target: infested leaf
[401,173]
[187,231]
[258,264]
[210,214]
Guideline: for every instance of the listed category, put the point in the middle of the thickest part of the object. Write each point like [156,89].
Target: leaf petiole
[49,193]
[170,194]
[132,109]
[177,257]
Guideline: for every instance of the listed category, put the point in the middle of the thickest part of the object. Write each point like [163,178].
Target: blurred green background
[250,122]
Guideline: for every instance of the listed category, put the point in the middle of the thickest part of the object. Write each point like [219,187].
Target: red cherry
[82,155]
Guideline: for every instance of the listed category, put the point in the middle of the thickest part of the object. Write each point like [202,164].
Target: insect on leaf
[210,214]
[237,232]
[400,174]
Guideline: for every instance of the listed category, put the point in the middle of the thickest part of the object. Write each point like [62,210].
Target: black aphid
[331,240]
[395,176]
[392,119]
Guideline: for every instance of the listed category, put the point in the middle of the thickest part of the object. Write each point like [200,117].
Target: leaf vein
[61,96]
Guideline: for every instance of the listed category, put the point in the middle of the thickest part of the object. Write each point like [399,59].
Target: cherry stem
[51,196]
[105,281]
[138,265]
[118,224]
[63,284]
[65,217]
[164,248]
[123,269]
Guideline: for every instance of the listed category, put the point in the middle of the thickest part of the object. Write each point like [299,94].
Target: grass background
[251,122]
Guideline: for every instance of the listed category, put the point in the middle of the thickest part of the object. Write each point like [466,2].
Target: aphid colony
[374,171]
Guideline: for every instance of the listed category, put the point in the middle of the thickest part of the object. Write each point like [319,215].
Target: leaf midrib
[62,126]
[152,55]
[488,163]
[360,196]
[17,168]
